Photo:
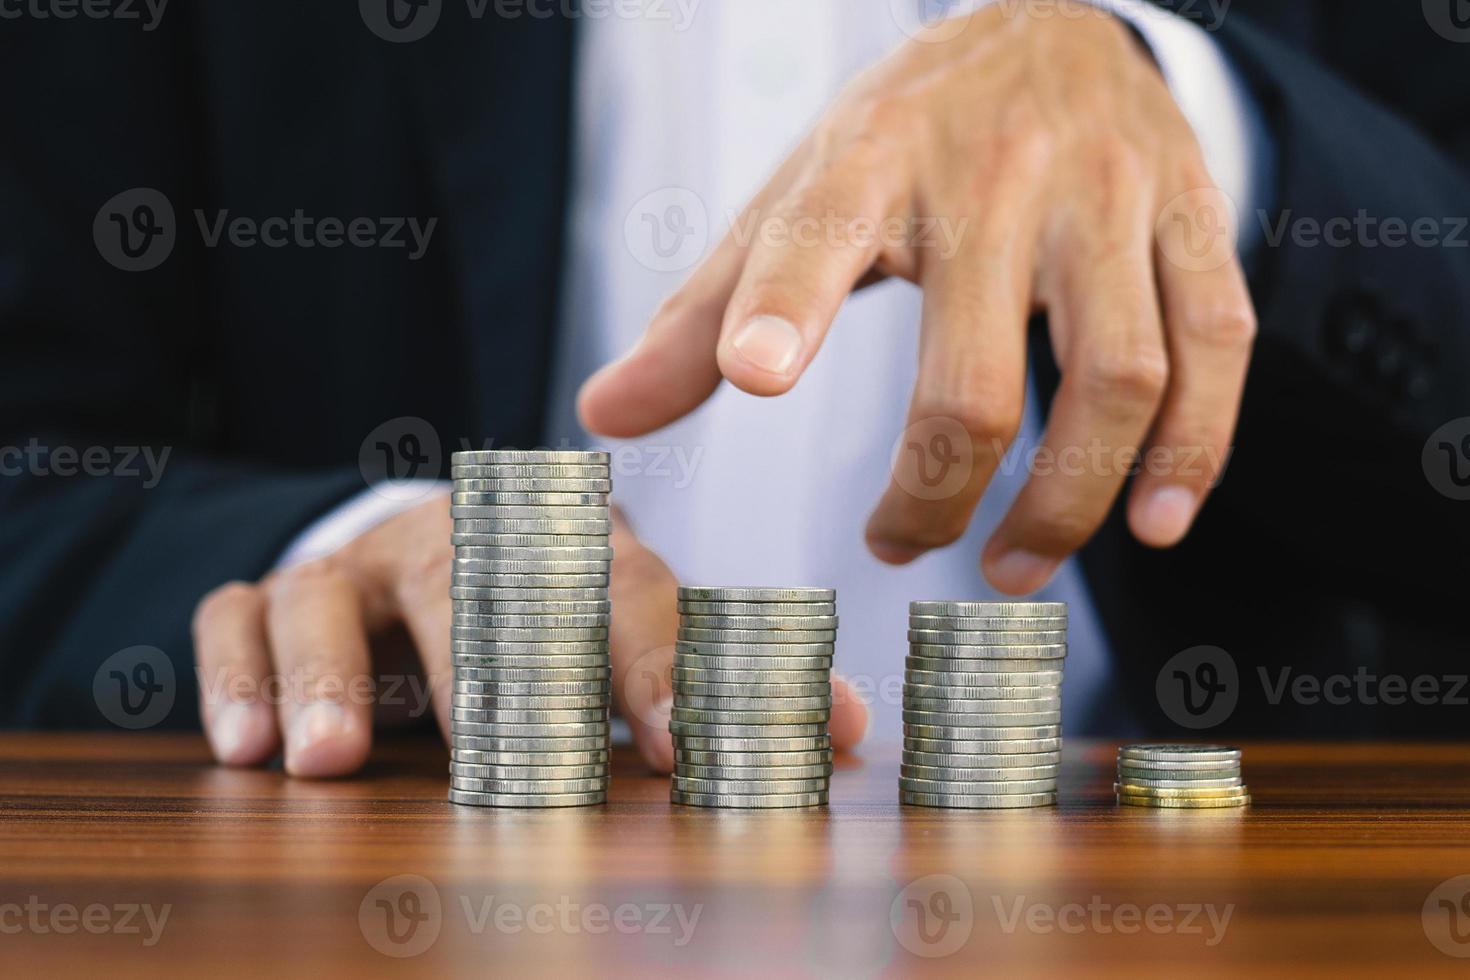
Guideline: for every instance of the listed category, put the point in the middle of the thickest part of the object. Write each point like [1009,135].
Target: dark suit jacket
[264,369]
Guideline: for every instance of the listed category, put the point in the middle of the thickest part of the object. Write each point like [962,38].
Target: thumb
[645,623]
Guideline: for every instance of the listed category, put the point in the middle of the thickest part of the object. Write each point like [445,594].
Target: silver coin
[954,735]
[480,539]
[1011,745]
[762,623]
[748,787]
[992,761]
[735,730]
[1137,773]
[519,786]
[1196,804]
[536,688]
[512,634]
[568,553]
[585,457]
[520,621]
[533,760]
[931,692]
[586,730]
[749,743]
[471,667]
[988,609]
[1180,753]
[463,585]
[459,743]
[954,667]
[480,566]
[713,649]
[768,637]
[714,703]
[591,717]
[467,798]
[694,761]
[697,608]
[466,494]
[953,638]
[988,624]
[701,593]
[470,612]
[471,524]
[531,485]
[751,689]
[956,721]
[697,716]
[488,600]
[1191,793]
[991,706]
[768,801]
[543,471]
[777,665]
[938,787]
[769,774]
[491,512]
[911,770]
[466,770]
[1015,679]
[973,802]
[763,678]
[499,704]
[960,656]
[542,646]
[1223,781]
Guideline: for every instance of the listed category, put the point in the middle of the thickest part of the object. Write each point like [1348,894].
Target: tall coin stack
[752,697]
[529,723]
[982,704]
[1180,777]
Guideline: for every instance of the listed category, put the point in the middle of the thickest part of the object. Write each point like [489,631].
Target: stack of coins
[982,704]
[1182,777]
[752,697]
[529,725]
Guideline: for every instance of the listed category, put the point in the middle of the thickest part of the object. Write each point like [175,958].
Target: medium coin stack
[1182,777]
[982,704]
[752,697]
[529,723]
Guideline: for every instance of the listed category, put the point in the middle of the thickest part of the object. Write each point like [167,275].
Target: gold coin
[1192,793]
[1177,804]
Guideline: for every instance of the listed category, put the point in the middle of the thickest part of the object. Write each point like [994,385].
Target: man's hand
[1055,145]
[297,657]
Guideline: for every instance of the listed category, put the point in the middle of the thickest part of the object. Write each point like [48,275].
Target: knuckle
[1137,374]
[986,418]
[1065,531]
[319,573]
[426,573]
[221,602]
[1118,162]
[1232,328]
[1026,138]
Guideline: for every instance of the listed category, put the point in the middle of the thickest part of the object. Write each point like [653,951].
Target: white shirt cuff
[358,516]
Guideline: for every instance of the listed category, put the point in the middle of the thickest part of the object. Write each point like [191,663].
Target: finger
[234,661]
[970,394]
[1114,372]
[1210,327]
[673,368]
[823,237]
[320,647]
[423,598]
[644,594]
[849,722]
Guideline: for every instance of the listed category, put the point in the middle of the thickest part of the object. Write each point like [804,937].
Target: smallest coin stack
[1180,777]
[752,697]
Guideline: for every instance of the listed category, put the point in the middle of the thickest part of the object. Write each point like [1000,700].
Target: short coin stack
[1182,777]
[529,722]
[752,697]
[982,704]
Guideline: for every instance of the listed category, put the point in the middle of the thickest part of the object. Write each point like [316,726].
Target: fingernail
[1022,572]
[1167,515]
[236,734]
[321,742]
[769,343]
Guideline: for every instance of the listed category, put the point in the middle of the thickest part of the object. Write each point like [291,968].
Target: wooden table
[1329,873]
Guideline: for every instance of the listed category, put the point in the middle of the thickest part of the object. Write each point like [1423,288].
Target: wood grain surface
[1343,866]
